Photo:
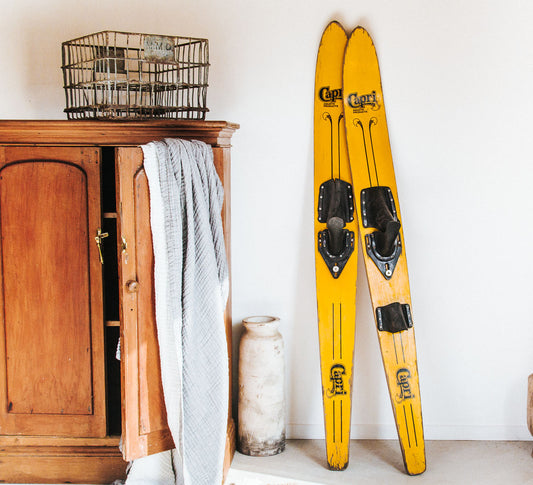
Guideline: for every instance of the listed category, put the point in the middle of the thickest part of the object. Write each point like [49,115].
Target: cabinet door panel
[144,423]
[52,356]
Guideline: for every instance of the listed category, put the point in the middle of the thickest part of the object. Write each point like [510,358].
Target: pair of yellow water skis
[355,194]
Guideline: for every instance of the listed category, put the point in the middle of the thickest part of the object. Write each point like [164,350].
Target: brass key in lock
[98,238]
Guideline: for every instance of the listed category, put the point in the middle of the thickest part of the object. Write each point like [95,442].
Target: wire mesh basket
[121,75]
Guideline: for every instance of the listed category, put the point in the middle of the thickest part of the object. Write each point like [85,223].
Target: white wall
[457,79]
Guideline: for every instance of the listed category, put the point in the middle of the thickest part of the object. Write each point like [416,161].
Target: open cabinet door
[144,419]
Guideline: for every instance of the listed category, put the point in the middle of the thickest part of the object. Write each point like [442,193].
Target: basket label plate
[158,48]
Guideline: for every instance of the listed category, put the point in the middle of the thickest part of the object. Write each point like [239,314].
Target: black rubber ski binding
[384,246]
[335,208]
[395,317]
[335,262]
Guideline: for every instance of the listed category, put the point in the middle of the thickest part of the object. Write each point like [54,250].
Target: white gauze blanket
[191,288]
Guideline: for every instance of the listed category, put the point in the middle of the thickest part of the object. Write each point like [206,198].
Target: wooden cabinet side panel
[52,356]
[222,161]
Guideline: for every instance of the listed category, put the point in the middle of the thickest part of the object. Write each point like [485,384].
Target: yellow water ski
[379,221]
[335,247]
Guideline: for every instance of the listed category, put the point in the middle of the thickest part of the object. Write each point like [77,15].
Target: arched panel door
[51,323]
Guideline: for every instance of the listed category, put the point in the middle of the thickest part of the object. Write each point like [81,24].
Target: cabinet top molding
[112,133]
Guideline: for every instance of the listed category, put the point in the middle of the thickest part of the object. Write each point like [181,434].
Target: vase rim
[261,320]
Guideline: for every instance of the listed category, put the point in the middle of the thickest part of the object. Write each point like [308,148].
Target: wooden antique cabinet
[74,194]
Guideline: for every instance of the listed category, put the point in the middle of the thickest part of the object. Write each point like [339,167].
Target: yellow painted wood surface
[335,297]
[371,165]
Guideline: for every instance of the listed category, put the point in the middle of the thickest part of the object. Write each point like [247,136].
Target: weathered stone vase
[261,416]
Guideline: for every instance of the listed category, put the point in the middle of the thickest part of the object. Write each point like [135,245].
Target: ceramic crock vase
[261,416]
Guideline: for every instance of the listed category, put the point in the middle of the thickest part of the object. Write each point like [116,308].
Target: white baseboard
[432,432]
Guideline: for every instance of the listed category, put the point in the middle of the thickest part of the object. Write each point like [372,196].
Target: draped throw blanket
[191,288]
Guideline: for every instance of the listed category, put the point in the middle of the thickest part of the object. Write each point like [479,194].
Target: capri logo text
[360,102]
[330,96]
[336,376]
[403,377]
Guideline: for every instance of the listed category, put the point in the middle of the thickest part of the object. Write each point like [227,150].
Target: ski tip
[360,36]
[335,32]
[335,25]
[360,32]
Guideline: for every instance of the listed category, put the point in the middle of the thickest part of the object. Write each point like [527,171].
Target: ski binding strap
[335,208]
[394,317]
[384,246]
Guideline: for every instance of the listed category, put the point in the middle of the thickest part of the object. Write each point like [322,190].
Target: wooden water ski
[379,221]
[335,247]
